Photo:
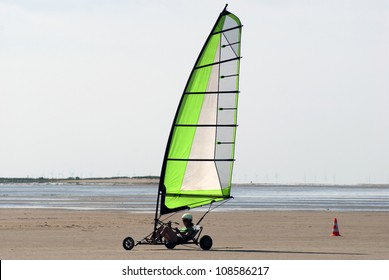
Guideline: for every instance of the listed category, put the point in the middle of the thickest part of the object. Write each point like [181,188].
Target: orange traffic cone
[335,230]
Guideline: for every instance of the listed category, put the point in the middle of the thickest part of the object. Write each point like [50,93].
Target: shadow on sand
[231,250]
[241,250]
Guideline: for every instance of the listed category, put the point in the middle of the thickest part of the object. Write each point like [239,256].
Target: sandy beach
[65,234]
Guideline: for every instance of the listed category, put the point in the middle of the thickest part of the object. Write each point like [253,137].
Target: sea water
[142,198]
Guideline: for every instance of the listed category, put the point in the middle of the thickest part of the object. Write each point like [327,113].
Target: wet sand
[65,234]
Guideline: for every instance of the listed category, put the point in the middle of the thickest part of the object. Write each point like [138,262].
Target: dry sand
[65,234]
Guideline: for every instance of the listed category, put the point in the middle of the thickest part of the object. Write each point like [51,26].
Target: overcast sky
[90,87]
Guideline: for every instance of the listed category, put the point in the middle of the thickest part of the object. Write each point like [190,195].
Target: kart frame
[204,242]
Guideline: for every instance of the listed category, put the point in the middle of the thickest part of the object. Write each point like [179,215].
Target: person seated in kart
[178,236]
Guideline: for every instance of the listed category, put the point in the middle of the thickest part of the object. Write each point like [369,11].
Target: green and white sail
[199,157]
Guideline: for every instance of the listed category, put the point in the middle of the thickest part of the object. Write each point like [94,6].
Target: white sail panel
[203,175]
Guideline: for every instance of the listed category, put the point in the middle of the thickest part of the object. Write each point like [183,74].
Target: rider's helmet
[187,216]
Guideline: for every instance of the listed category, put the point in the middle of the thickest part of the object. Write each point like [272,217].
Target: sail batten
[202,159]
[216,63]
[200,152]
[229,29]
[212,92]
[193,195]
[206,125]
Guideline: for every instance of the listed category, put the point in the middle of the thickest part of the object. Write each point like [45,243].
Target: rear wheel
[128,243]
[170,245]
[206,242]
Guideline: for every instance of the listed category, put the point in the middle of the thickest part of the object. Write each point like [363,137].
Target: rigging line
[199,221]
[223,46]
[168,216]
[211,209]
[224,201]
[225,37]
[210,206]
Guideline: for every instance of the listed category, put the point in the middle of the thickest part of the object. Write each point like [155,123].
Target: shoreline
[280,235]
[83,181]
[142,198]
[155,180]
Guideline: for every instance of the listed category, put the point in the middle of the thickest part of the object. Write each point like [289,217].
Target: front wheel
[128,243]
[206,242]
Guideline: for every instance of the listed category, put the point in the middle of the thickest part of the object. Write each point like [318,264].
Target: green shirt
[187,231]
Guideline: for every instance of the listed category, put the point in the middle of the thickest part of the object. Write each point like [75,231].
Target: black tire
[206,242]
[128,243]
[170,245]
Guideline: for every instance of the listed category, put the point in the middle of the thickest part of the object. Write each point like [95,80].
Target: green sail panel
[199,157]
